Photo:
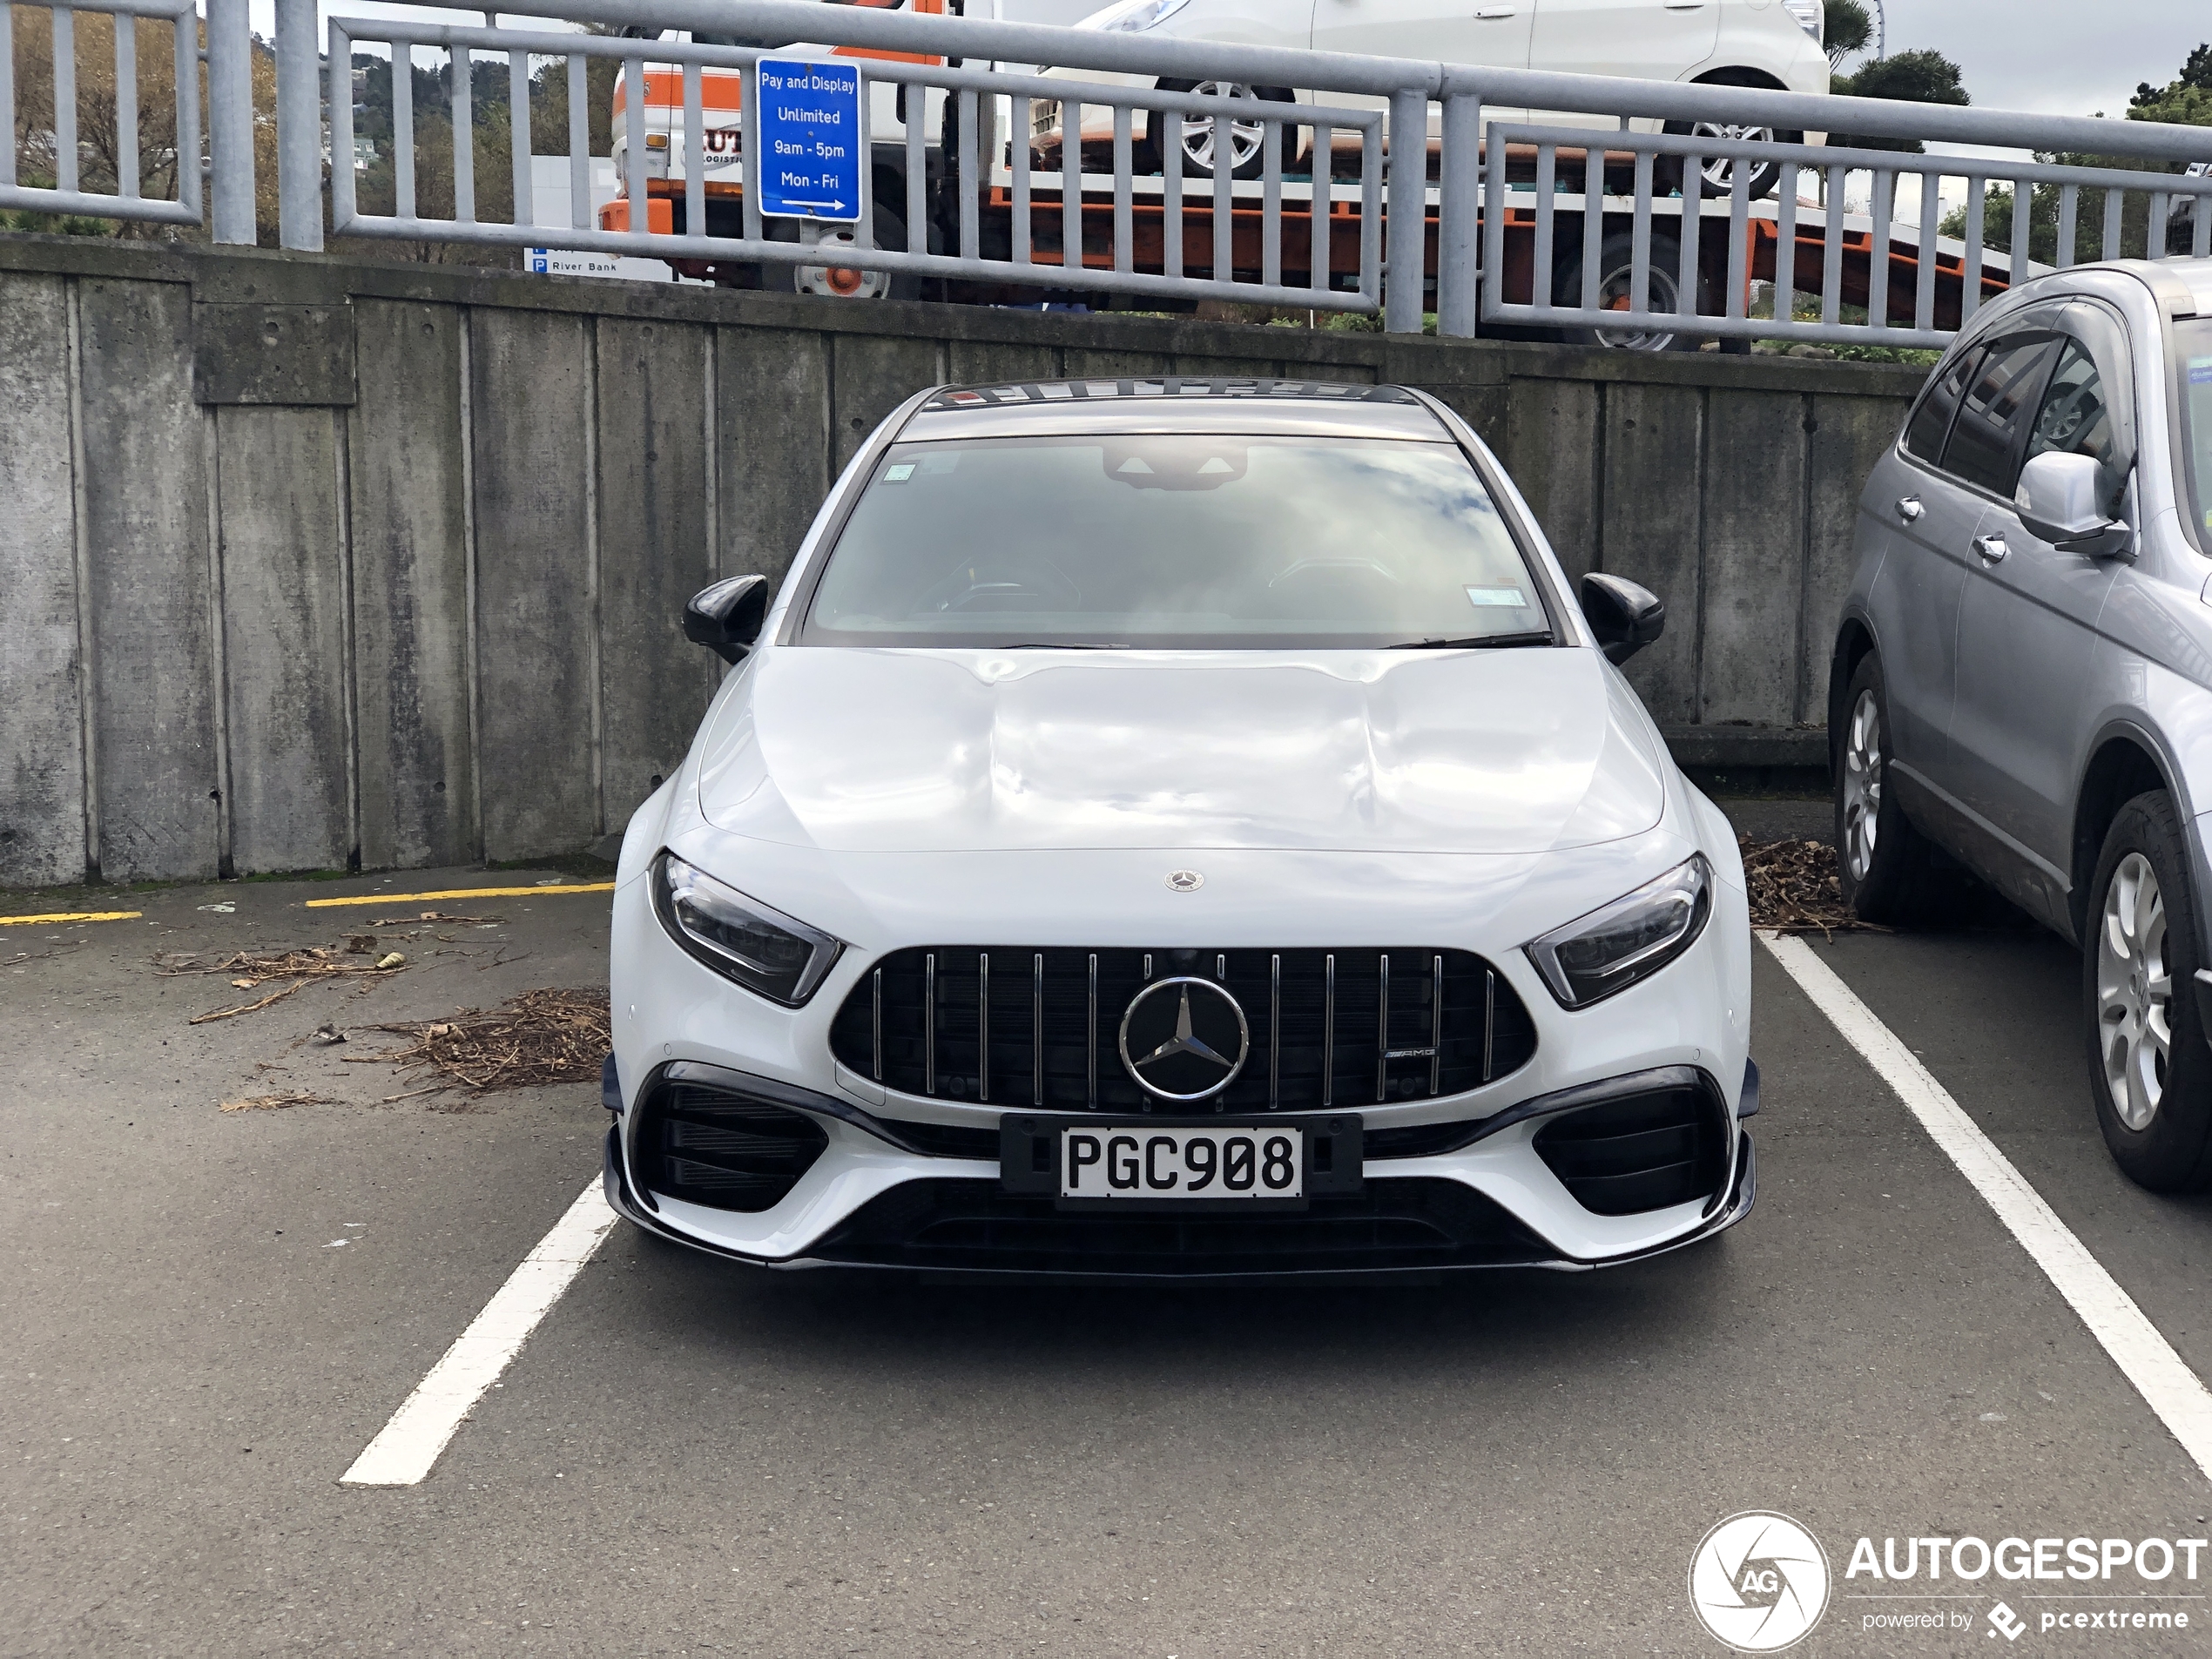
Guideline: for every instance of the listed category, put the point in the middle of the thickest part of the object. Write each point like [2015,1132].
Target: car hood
[881,751]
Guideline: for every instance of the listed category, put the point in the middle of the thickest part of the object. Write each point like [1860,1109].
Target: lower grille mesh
[712,1147]
[1039,1028]
[1648,1152]
[955,1225]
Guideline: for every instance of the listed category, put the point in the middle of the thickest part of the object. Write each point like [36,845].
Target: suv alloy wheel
[2150,1072]
[1885,867]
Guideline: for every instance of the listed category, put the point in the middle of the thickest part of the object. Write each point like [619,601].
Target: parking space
[692,1457]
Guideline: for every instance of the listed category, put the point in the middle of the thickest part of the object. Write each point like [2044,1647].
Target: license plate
[1157,1165]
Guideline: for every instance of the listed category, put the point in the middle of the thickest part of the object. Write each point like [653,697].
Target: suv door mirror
[1624,617]
[725,617]
[2057,503]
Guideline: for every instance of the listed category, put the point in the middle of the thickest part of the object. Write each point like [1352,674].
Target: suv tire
[1885,868]
[2150,1071]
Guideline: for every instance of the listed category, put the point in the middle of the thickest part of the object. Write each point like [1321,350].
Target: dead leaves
[1793,888]
[542,1036]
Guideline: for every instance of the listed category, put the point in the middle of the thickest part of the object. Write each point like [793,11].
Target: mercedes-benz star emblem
[1185,881]
[1185,1038]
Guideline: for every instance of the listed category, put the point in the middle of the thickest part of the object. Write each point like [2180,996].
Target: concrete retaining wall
[306,563]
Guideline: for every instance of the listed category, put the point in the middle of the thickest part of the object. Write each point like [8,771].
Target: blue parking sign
[809,119]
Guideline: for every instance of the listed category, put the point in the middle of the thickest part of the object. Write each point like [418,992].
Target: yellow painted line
[72,915]
[453,893]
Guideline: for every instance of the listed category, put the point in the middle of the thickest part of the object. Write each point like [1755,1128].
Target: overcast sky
[2055,56]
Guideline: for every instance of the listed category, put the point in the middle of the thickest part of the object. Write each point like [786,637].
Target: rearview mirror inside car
[2057,503]
[725,617]
[1625,617]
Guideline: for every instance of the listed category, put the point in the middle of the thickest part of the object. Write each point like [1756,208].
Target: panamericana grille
[710,1146]
[1020,1025]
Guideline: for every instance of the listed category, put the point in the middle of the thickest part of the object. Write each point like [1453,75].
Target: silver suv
[2022,679]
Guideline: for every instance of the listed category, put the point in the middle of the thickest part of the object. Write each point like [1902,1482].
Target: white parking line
[409,1446]
[2148,1360]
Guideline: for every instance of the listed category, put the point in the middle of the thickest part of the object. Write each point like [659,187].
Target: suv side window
[2076,419]
[1931,422]
[1985,446]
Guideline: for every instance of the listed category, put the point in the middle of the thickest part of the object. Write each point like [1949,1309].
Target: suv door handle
[1991,548]
[1908,508]
[1490,14]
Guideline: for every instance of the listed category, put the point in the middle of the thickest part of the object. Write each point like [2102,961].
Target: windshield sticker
[900,473]
[2201,371]
[1511,598]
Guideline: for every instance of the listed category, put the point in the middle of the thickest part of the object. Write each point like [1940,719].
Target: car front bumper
[1002,1236]
[893,1180]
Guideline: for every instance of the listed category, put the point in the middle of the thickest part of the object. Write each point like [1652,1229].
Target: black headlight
[741,938]
[1630,939]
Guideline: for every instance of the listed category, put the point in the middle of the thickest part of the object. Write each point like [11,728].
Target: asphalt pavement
[210,1313]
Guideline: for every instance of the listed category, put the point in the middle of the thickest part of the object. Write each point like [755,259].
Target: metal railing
[1059,195]
[1665,249]
[61,143]
[1591,215]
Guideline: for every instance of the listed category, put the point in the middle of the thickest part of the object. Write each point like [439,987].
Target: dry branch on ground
[542,1036]
[271,1102]
[1793,888]
[249,970]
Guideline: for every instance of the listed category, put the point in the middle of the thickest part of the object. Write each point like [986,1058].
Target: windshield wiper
[1057,645]
[1535,637]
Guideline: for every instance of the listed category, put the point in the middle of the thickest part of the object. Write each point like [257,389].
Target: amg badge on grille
[1185,1038]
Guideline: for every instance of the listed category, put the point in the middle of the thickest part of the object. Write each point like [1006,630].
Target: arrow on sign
[834,207]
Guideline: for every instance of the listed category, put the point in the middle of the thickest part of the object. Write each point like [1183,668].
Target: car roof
[1169,403]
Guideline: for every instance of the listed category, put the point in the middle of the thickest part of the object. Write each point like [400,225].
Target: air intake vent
[1647,1152]
[710,1146]
[1017,1026]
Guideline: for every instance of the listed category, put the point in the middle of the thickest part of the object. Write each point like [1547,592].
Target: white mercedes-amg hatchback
[1178,829]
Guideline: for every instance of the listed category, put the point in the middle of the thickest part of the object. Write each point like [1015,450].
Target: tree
[2197,76]
[2186,100]
[490,138]
[1847,30]
[1912,78]
[99,139]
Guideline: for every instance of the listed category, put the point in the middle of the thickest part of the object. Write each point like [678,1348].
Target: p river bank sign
[809,139]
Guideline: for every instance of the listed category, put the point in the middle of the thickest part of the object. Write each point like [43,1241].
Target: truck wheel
[1197,133]
[1614,281]
[1885,867]
[842,282]
[2150,1071]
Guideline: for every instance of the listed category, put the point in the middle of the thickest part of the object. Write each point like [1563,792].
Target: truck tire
[2150,1070]
[1614,262]
[846,282]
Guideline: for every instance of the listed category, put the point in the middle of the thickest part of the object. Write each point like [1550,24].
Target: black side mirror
[1624,617]
[726,618]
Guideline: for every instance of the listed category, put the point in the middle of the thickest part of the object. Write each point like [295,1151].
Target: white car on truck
[1771,44]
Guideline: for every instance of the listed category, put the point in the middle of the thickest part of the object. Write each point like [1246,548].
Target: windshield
[2194,389]
[1181,541]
